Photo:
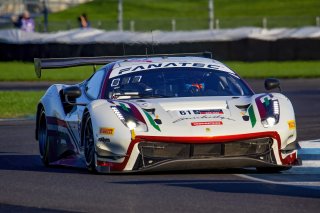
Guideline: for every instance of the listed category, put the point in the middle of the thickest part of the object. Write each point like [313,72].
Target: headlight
[137,126]
[272,114]
[141,127]
[129,120]
[269,122]
[131,124]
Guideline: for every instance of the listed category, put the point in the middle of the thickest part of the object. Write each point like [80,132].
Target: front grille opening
[164,150]
[207,150]
[154,152]
[251,147]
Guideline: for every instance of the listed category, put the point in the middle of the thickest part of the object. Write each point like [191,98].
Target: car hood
[197,116]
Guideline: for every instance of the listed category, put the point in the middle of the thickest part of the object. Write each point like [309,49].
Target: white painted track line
[302,183]
[310,153]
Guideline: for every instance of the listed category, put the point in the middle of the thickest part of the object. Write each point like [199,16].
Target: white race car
[163,112]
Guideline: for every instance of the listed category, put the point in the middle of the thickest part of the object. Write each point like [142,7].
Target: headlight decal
[252,116]
[124,107]
[152,122]
[262,103]
[118,113]
[127,112]
[124,110]
[136,113]
[269,110]
[130,116]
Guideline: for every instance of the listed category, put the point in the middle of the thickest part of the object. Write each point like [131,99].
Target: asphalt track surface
[27,186]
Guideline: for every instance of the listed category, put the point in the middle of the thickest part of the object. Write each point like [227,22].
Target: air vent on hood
[243,107]
[193,104]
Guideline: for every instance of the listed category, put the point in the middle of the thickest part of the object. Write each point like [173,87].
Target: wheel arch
[39,108]
[84,116]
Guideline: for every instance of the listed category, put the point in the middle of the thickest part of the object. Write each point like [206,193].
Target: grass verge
[19,104]
[286,69]
[19,71]
[289,13]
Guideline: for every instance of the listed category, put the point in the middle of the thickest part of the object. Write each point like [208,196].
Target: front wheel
[89,146]
[43,138]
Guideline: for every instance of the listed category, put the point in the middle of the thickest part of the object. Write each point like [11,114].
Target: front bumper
[148,153]
[238,154]
[207,164]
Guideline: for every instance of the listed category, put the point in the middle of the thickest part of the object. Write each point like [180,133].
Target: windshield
[176,82]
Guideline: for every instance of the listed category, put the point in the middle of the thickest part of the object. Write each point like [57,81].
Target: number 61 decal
[201,112]
[185,112]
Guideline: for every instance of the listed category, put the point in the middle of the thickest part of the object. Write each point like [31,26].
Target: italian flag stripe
[152,121]
[124,107]
[252,116]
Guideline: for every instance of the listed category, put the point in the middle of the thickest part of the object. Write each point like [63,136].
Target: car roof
[138,64]
[135,61]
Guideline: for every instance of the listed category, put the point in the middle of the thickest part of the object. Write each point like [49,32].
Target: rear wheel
[43,138]
[89,149]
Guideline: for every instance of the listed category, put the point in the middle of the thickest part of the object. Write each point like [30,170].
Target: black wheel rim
[42,135]
[89,142]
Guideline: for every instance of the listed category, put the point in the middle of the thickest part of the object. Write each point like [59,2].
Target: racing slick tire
[89,146]
[43,138]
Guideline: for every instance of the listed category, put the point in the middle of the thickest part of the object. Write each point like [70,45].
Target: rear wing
[53,63]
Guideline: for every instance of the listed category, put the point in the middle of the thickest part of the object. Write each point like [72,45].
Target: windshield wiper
[144,95]
[138,95]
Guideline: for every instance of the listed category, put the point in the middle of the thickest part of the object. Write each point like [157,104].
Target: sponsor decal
[203,117]
[167,65]
[106,131]
[151,66]
[104,140]
[291,124]
[201,112]
[204,123]
[209,111]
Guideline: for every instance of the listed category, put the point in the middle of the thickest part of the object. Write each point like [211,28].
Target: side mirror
[272,83]
[71,93]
